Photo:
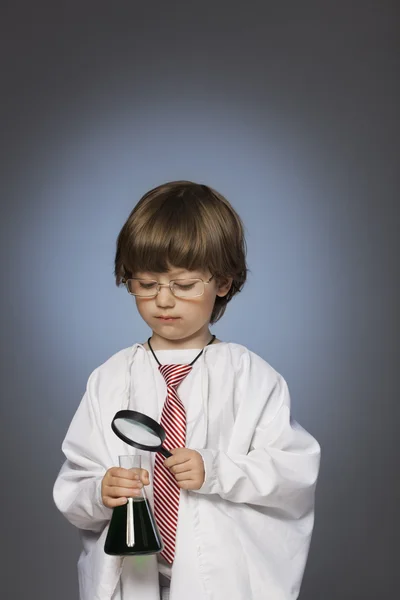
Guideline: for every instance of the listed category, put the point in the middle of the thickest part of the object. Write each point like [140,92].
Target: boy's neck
[195,342]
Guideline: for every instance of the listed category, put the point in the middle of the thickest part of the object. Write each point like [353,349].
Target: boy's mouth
[167,318]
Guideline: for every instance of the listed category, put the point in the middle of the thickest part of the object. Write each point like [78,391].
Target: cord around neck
[193,361]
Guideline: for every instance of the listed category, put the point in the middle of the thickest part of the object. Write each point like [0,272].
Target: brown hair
[187,225]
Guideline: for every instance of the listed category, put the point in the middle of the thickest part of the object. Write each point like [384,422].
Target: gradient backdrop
[290,110]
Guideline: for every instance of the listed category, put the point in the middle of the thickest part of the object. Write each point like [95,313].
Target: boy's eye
[185,286]
[148,285]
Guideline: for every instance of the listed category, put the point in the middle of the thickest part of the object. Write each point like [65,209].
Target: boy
[235,502]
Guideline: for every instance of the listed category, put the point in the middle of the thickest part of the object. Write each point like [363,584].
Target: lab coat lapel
[121,399]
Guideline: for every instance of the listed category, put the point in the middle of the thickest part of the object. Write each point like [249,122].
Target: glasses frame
[169,284]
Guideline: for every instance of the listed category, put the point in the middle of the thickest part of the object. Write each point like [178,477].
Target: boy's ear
[223,286]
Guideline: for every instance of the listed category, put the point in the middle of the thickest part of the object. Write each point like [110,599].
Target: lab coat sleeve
[77,490]
[280,469]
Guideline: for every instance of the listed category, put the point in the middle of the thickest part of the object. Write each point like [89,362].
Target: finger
[124,473]
[144,476]
[177,459]
[126,483]
[186,476]
[181,468]
[113,502]
[121,492]
[188,484]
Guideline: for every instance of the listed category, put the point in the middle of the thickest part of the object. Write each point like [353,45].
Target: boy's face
[178,322]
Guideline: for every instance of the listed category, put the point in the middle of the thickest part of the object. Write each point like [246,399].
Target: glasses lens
[142,287]
[188,288]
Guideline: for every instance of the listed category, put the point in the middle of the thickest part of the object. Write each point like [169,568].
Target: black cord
[193,361]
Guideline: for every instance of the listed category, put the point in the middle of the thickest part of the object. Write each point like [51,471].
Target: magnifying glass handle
[164,452]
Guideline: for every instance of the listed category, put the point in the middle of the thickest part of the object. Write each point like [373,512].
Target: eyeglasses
[181,288]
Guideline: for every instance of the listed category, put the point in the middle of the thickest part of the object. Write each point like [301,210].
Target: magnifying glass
[140,430]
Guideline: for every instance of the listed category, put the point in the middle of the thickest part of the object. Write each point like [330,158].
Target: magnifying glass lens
[137,432]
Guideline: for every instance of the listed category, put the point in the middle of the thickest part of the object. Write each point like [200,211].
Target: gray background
[291,112]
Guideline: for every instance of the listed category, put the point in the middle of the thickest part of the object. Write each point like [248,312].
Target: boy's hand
[188,467]
[119,484]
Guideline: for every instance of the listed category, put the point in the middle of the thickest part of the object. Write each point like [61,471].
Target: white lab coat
[245,534]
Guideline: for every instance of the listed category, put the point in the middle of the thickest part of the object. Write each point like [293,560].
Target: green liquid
[147,537]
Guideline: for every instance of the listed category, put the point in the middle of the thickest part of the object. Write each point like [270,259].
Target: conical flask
[133,529]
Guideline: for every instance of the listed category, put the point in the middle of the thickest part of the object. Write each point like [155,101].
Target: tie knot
[174,374]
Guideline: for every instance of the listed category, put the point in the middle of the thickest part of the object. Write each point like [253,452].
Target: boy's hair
[186,225]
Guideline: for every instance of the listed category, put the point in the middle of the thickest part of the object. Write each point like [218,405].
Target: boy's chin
[173,333]
[169,332]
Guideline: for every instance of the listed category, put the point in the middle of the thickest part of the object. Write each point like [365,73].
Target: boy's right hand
[119,484]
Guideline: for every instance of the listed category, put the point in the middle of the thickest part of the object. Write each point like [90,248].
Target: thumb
[144,476]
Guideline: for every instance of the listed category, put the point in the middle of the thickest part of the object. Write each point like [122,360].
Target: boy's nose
[165,297]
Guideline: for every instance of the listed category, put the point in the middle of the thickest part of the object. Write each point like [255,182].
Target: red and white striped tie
[166,490]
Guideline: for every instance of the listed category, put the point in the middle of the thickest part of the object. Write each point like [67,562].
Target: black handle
[164,452]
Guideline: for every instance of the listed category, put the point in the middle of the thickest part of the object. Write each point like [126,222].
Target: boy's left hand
[188,468]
